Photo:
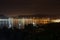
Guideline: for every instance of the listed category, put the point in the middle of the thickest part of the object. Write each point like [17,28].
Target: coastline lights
[56,20]
[10,22]
[34,24]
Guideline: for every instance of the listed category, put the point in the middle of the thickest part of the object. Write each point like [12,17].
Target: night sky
[30,7]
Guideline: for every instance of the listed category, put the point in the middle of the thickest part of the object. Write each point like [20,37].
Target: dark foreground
[49,32]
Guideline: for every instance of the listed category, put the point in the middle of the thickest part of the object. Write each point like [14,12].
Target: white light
[57,20]
[19,24]
[10,22]
[34,24]
[9,26]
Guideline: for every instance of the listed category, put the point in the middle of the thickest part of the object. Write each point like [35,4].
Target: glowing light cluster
[19,23]
[56,20]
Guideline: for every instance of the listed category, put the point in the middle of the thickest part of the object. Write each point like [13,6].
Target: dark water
[51,32]
[8,34]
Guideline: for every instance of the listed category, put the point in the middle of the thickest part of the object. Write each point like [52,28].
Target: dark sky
[30,7]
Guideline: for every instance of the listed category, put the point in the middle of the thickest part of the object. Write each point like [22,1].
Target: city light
[34,24]
[56,20]
[20,22]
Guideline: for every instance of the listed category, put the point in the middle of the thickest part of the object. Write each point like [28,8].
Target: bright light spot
[19,24]
[57,20]
[34,24]
[9,26]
